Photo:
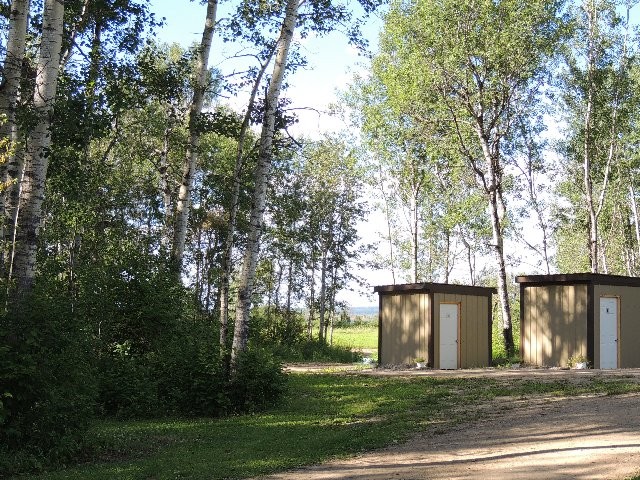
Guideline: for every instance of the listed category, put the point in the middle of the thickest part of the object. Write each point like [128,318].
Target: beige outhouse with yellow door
[588,315]
[448,325]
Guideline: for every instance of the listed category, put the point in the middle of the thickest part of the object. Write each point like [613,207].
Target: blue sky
[332,61]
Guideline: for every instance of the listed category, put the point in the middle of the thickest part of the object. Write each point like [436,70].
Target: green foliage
[498,350]
[275,326]
[48,383]
[189,372]
[183,376]
[259,381]
[284,335]
[127,387]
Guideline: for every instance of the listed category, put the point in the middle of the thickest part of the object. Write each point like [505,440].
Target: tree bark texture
[37,150]
[9,97]
[261,176]
[191,158]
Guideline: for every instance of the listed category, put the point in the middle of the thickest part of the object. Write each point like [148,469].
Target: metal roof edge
[588,278]
[428,287]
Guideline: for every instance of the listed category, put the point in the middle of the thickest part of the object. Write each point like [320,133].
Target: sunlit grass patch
[358,337]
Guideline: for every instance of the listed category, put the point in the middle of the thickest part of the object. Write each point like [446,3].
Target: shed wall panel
[628,326]
[554,323]
[405,327]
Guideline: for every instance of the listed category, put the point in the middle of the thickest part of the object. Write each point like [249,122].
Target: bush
[189,373]
[48,388]
[127,386]
[183,377]
[285,337]
[259,381]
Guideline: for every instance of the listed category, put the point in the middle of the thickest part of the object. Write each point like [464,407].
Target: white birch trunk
[233,210]
[261,176]
[9,96]
[497,211]
[588,183]
[414,235]
[388,218]
[323,296]
[37,152]
[184,194]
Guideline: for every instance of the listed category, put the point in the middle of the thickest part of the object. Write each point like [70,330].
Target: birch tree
[191,157]
[235,200]
[261,175]
[23,270]
[321,16]
[9,95]
[596,96]
[466,65]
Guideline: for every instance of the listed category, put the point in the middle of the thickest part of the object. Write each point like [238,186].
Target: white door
[608,332]
[448,336]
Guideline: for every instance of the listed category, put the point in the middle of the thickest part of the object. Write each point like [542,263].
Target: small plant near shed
[421,362]
[578,362]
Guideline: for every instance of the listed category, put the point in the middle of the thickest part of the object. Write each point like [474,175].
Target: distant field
[361,336]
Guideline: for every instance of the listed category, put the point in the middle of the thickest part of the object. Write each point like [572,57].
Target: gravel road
[588,437]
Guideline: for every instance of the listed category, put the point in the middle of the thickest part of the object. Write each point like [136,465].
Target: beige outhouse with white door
[448,325]
[585,314]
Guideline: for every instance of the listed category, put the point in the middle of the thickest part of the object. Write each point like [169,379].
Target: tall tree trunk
[289,291]
[497,211]
[37,152]
[164,178]
[388,217]
[587,147]
[414,236]
[234,207]
[447,259]
[184,195]
[312,297]
[470,258]
[332,303]
[261,176]
[323,296]
[498,248]
[10,172]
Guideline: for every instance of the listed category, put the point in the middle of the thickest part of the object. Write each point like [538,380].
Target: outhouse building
[594,316]
[448,325]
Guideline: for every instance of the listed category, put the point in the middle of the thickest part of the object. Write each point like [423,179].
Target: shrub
[48,387]
[127,387]
[188,369]
[259,381]
[183,377]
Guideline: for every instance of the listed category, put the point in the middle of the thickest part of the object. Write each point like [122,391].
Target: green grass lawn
[361,336]
[322,416]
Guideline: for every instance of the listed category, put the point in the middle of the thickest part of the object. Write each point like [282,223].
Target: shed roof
[576,278]
[436,288]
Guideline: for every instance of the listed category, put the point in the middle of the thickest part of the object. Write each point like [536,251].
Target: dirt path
[591,437]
